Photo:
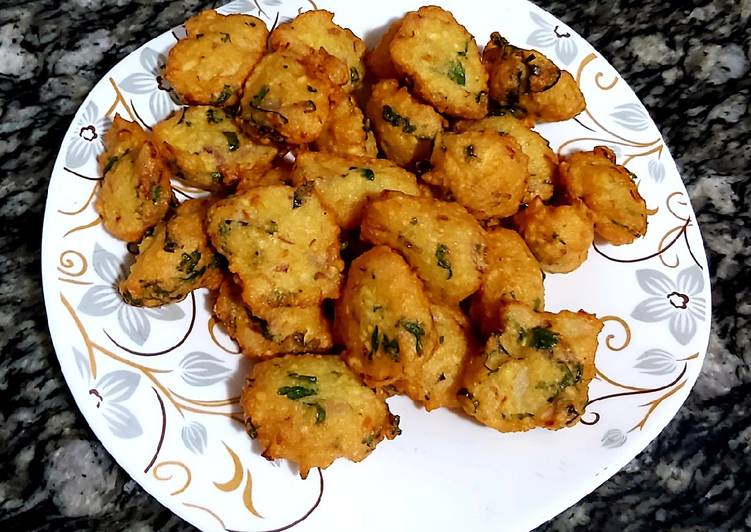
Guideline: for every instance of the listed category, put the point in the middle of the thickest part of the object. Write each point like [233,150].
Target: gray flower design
[656,362]
[194,437]
[680,302]
[111,391]
[202,369]
[656,170]
[549,35]
[613,438]
[151,82]
[631,116]
[86,142]
[103,299]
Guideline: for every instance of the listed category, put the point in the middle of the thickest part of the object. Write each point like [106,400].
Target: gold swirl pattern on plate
[179,465]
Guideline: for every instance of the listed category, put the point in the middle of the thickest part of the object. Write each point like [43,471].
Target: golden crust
[344,184]
[173,261]
[436,382]
[311,409]
[405,127]
[346,132]
[535,373]
[482,170]
[272,330]
[442,59]
[208,151]
[513,274]
[543,162]
[608,191]
[562,101]
[383,318]
[136,191]
[379,58]
[209,66]
[558,236]
[280,243]
[440,240]
[315,29]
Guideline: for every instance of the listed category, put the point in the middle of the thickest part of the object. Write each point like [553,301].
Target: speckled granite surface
[688,61]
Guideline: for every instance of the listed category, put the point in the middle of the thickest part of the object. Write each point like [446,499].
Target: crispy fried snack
[558,236]
[543,162]
[209,66]
[315,29]
[344,184]
[286,98]
[278,175]
[273,330]
[528,79]
[484,171]
[280,243]
[533,374]
[440,240]
[379,58]
[513,274]
[436,382]
[608,190]
[207,150]
[346,132]
[441,59]
[405,127]
[173,261]
[311,409]
[383,318]
[136,190]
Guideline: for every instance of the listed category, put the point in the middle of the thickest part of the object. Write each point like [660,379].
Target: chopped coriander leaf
[415,329]
[156,193]
[233,143]
[543,338]
[295,392]
[441,252]
[301,194]
[375,342]
[223,96]
[320,412]
[391,348]
[354,75]
[367,173]
[113,160]
[258,97]
[396,120]
[212,116]
[456,73]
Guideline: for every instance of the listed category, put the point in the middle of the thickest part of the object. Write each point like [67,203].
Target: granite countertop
[687,61]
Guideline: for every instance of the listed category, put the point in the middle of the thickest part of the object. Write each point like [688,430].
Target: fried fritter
[535,373]
[436,382]
[173,261]
[209,66]
[513,274]
[286,98]
[440,240]
[278,175]
[562,101]
[273,330]
[558,236]
[311,409]
[280,243]
[484,171]
[405,127]
[608,191]
[441,59]
[208,150]
[135,192]
[543,161]
[346,132]
[379,58]
[315,29]
[344,184]
[383,318]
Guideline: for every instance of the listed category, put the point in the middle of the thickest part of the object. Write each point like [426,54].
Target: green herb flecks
[456,73]
[223,96]
[295,392]
[112,161]
[354,75]
[396,120]
[189,265]
[258,97]
[543,338]
[441,258]
[463,53]
[302,193]
[216,177]
[415,329]
[320,412]
[375,342]
[213,117]
[233,143]
[156,193]
[262,326]
[387,345]
[368,174]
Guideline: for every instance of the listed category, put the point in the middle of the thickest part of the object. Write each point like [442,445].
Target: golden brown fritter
[272,330]
[286,98]
[173,261]
[441,59]
[346,132]
[280,243]
[440,240]
[436,382]
[558,236]
[383,318]
[528,79]
[209,66]
[311,409]
[484,171]
[543,162]
[208,151]
[405,127]
[315,29]
[379,58]
[535,373]
[513,274]
[608,191]
[135,192]
[344,184]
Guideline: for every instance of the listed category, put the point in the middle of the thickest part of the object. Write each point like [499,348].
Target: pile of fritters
[371,230]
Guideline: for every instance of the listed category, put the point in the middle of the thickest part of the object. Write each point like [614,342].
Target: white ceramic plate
[159,387]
